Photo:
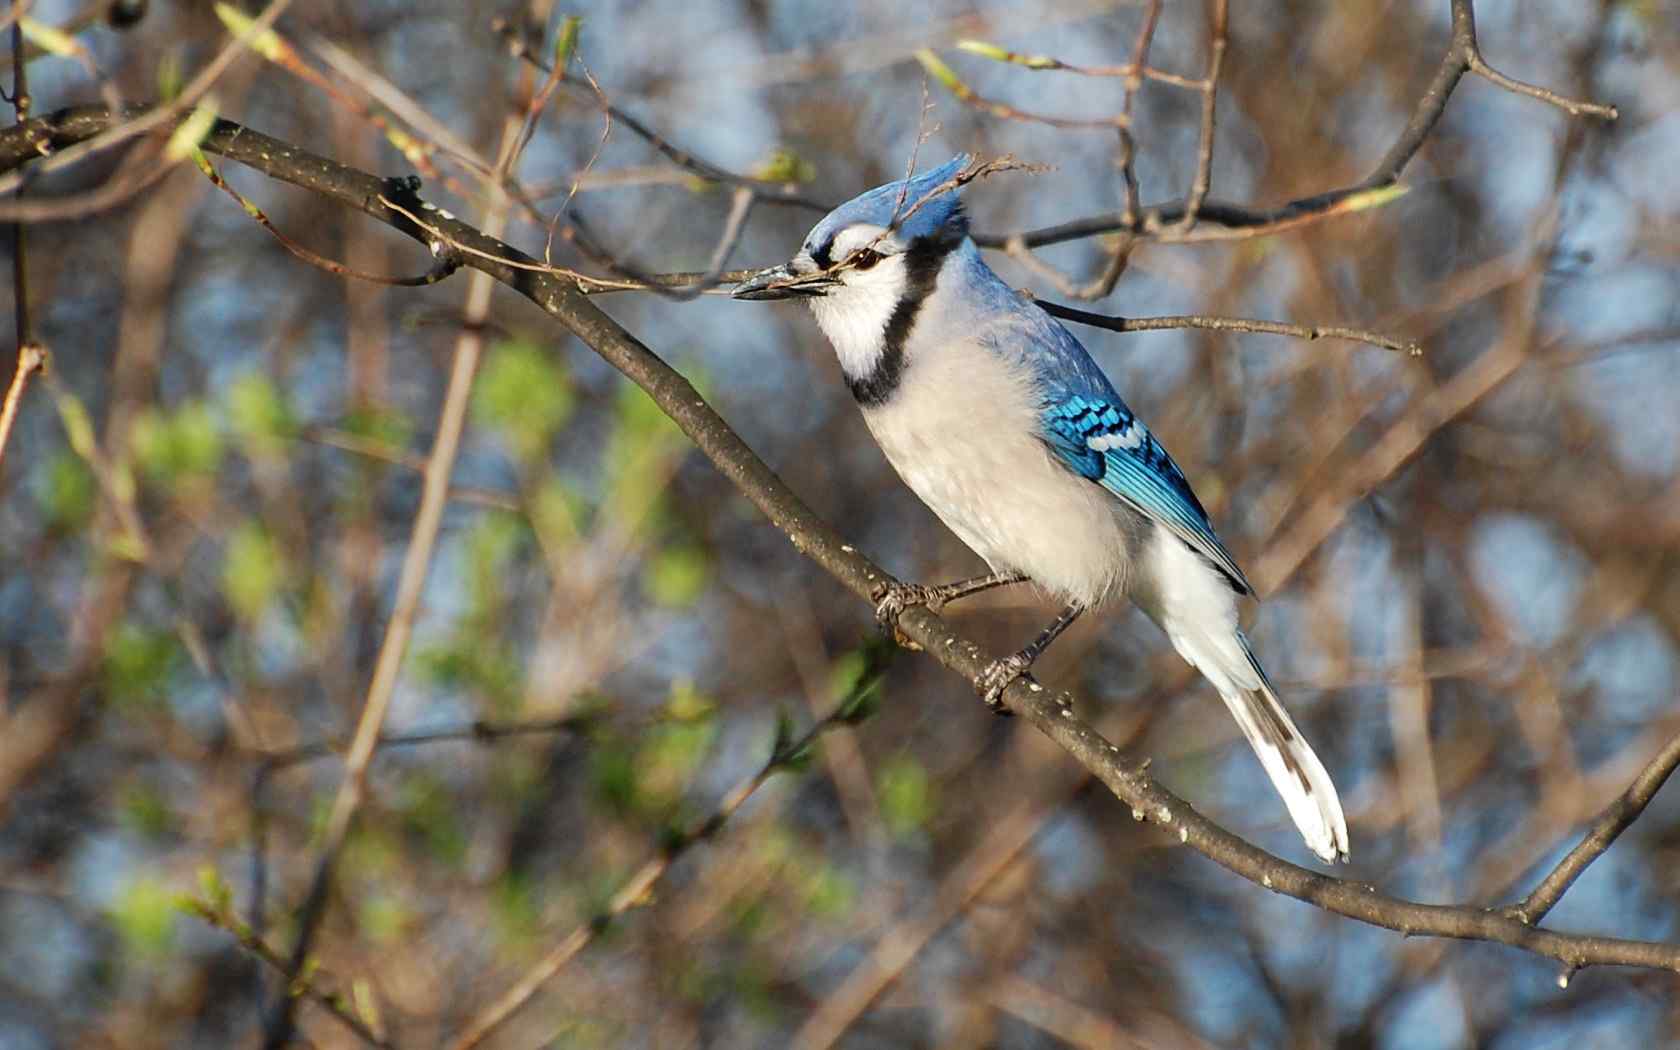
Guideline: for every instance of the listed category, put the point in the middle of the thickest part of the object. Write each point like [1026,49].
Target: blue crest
[881,205]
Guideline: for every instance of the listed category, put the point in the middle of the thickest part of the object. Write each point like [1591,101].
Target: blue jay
[996,416]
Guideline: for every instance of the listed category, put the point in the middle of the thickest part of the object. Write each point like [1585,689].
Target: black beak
[780,282]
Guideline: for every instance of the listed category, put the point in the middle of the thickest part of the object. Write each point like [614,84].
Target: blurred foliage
[907,795]
[147,811]
[522,393]
[65,492]
[253,570]
[139,663]
[171,446]
[260,415]
[144,916]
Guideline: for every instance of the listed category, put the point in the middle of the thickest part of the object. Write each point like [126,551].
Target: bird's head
[869,263]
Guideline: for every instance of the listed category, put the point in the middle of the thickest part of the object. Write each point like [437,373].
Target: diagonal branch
[1616,818]
[1051,713]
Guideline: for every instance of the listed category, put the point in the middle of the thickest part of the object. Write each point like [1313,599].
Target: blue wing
[1092,431]
[1099,438]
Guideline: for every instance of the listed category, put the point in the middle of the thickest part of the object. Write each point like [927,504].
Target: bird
[1000,421]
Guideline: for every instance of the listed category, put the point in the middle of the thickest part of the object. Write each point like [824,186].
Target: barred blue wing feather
[1100,439]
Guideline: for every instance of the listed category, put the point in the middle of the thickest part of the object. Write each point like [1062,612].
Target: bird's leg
[999,673]
[892,599]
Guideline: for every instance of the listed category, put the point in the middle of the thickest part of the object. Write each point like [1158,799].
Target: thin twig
[308,986]
[1229,324]
[767,190]
[478,731]
[1616,818]
[21,103]
[1158,222]
[1209,87]
[787,752]
[32,358]
[115,133]
[938,70]
[1135,70]
[442,269]
[734,224]
[411,582]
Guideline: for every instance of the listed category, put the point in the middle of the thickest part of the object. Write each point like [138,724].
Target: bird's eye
[863,258]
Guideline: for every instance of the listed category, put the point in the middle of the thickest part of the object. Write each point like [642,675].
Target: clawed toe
[894,598]
[891,602]
[998,676]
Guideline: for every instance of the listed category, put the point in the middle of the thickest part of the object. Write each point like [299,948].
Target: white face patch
[1129,438]
[862,235]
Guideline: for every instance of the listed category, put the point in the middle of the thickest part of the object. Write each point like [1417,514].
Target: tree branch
[1616,818]
[1228,324]
[1051,713]
[1218,220]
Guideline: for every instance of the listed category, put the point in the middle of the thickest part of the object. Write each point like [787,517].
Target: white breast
[962,433]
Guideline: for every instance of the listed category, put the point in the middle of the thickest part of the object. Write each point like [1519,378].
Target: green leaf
[514,908]
[139,662]
[856,680]
[688,704]
[469,661]
[382,423]
[998,54]
[428,811]
[785,166]
[557,514]
[259,415]
[146,811]
[566,43]
[612,769]
[253,570]
[50,39]
[667,760]
[938,70]
[65,491]
[906,796]
[169,77]
[523,393]
[677,576]
[216,894]
[491,546]
[170,446]
[144,915]
[828,892]
[385,919]
[265,42]
[78,425]
[191,132]
[786,751]
[1369,199]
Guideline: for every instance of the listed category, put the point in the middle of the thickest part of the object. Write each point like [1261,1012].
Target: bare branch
[31,358]
[1616,818]
[1051,713]
[1160,222]
[1230,324]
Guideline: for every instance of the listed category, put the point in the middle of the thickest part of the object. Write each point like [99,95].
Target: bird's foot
[892,599]
[998,676]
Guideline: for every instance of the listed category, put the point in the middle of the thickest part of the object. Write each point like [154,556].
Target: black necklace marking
[922,261]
